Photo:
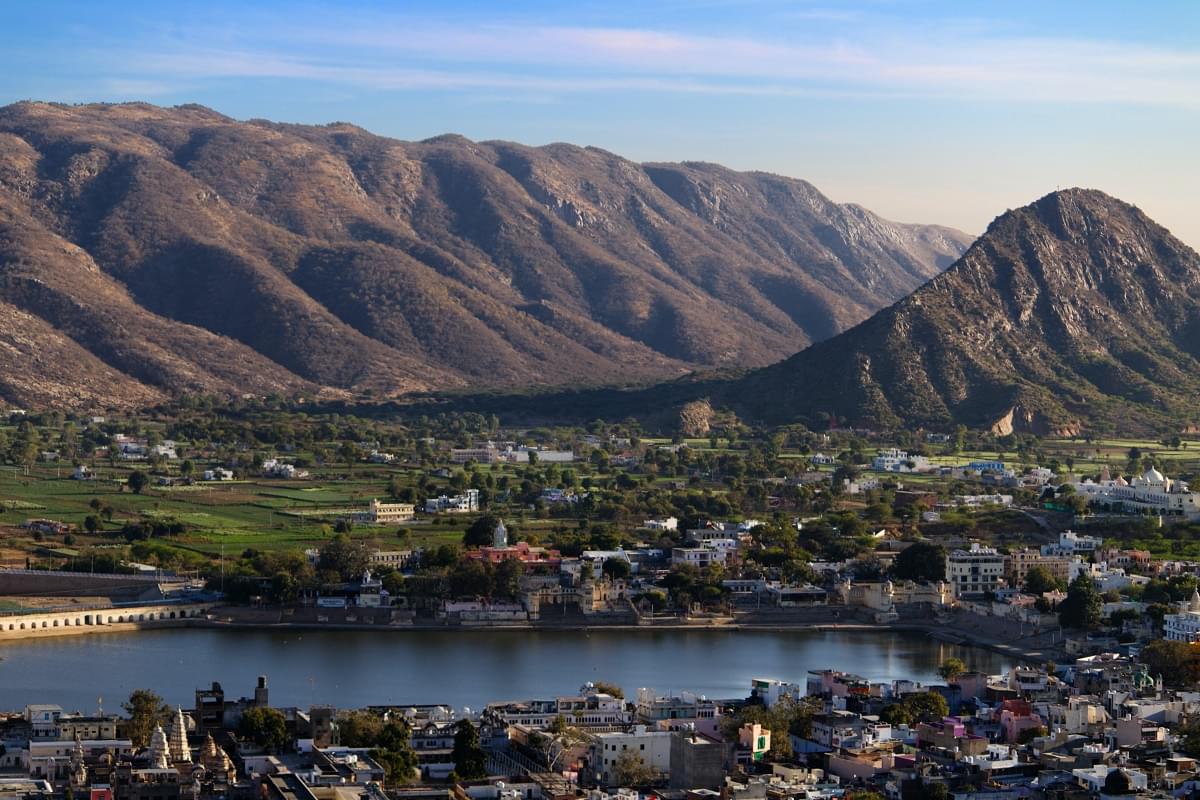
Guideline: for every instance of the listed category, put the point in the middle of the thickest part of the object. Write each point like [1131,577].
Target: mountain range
[1076,314]
[148,252]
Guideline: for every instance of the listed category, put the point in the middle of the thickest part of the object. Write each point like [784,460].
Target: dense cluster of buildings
[1099,727]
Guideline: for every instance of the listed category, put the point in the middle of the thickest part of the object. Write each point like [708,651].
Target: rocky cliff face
[156,251]
[1077,310]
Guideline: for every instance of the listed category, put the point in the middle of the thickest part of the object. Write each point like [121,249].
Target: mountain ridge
[179,250]
[1076,311]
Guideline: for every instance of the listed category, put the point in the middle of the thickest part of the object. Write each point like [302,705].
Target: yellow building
[389,513]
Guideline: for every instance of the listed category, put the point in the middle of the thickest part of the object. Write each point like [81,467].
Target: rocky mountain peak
[1075,310]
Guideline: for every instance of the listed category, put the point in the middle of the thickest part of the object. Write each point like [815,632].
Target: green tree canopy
[266,727]
[137,481]
[925,706]
[481,531]
[616,568]
[631,771]
[1039,579]
[345,557]
[1082,606]
[470,763]
[951,668]
[922,561]
[145,709]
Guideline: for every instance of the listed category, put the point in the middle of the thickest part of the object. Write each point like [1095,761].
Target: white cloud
[959,59]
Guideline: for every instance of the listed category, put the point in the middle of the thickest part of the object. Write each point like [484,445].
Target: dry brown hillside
[147,251]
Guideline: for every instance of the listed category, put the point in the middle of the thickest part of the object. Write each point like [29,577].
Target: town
[1072,560]
[1097,726]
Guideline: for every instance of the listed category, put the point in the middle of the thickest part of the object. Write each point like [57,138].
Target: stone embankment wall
[75,584]
[76,621]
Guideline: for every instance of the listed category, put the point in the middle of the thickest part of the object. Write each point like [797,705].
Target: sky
[921,110]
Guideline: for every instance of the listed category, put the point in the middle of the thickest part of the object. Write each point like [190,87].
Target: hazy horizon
[916,110]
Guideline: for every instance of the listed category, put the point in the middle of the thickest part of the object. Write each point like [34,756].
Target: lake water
[459,668]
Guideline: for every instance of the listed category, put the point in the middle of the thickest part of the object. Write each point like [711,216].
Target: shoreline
[933,630]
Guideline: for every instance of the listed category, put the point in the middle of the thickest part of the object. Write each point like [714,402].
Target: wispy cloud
[966,59]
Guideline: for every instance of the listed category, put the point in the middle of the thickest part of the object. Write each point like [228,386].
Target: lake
[459,668]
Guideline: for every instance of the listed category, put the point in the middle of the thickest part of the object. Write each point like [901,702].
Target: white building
[1071,543]
[588,709]
[1151,492]
[895,460]
[487,454]
[862,484]
[980,500]
[711,552]
[668,524]
[1184,626]
[218,474]
[974,571]
[273,468]
[770,691]
[651,746]
[463,503]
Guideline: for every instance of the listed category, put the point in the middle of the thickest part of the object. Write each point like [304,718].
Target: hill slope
[1077,309]
[170,250]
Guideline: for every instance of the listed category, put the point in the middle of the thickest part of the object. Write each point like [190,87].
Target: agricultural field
[229,516]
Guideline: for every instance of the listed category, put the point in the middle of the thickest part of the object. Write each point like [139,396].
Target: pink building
[521,551]
[1017,716]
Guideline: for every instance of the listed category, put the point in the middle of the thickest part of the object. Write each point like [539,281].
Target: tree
[348,558]
[145,709]
[187,467]
[506,579]
[394,751]
[348,452]
[840,476]
[266,727]
[469,760]
[896,714]
[1082,606]
[921,561]
[91,523]
[137,481]
[630,770]
[951,668]
[1177,662]
[359,729]
[398,766]
[481,531]
[603,687]
[1189,738]
[1039,579]
[1029,734]
[926,706]
[471,577]
[616,568]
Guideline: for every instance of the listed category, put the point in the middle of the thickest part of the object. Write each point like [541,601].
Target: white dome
[1154,475]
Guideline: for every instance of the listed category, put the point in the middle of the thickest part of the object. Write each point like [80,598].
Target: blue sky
[922,110]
